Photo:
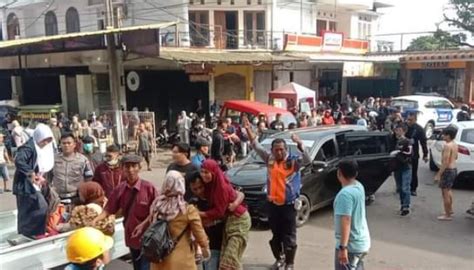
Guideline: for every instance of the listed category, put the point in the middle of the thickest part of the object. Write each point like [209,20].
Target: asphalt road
[417,241]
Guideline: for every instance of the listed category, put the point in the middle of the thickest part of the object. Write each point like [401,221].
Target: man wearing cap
[134,198]
[202,147]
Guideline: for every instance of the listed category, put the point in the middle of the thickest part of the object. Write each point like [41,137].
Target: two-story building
[220,49]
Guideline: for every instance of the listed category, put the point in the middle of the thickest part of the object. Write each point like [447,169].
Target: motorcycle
[164,137]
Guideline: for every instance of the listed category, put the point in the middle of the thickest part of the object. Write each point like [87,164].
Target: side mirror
[319,166]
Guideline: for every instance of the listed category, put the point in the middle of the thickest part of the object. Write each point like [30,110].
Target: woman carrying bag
[183,220]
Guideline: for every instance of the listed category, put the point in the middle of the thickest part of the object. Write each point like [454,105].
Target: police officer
[464,114]
[418,136]
[283,190]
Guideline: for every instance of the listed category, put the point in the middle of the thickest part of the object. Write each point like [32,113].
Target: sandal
[445,218]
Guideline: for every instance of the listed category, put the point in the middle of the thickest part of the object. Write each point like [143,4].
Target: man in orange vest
[283,191]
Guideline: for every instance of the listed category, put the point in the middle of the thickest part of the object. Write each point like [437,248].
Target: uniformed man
[283,190]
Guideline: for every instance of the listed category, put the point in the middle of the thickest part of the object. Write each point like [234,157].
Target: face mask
[88,148]
[112,162]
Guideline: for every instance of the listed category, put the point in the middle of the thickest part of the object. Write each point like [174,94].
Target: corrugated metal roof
[436,56]
[231,57]
[36,40]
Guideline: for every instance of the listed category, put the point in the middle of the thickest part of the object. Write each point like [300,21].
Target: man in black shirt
[418,135]
[277,124]
[181,163]
[217,146]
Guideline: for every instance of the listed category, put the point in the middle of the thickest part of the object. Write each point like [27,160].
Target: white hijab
[45,155]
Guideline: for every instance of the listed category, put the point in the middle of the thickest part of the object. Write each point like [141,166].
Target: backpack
[157,242]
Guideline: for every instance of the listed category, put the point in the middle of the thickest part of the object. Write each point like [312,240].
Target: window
[467,136]
[365,27]
[254,27]
[323,25]
[365,145]
[327,152]
[199,28]
[72,21]
[439,104]
[13,26]
[50,24]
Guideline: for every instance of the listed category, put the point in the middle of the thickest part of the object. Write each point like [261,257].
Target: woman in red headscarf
[220,195]
[327,118]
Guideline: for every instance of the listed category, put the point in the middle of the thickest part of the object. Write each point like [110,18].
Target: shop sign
[198,68]
[436,65]
[332,41]
[358,69]
[199,77]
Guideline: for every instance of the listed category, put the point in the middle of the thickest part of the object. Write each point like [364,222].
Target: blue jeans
[403,180]
[213,262]
[355,262]
[139,263]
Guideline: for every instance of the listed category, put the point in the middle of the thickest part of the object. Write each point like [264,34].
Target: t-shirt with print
[350,201]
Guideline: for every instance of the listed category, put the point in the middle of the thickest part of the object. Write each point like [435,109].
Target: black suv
[326,147]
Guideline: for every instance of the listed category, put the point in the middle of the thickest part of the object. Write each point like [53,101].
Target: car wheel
[433,166]
[302,215]
[429,129]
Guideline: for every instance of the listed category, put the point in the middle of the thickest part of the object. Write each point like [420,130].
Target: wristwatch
[341,247]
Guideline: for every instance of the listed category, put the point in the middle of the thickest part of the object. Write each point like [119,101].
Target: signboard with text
[332,41]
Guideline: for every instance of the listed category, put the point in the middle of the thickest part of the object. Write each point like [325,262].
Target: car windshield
[467,136]
[267,144]
[405,104]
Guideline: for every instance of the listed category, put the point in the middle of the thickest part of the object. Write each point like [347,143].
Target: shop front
[448,74]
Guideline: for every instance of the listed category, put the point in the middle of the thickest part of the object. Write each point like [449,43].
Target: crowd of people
[63,183]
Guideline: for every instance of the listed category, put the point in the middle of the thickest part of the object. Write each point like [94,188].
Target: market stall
[293,97]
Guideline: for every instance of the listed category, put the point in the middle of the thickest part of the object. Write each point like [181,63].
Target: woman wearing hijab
[220,194]
[93,201]
[181,217]
[33,160]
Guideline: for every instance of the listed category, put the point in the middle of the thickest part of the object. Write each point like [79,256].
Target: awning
[228,57]
[342,58]
[37,40]
[439,56]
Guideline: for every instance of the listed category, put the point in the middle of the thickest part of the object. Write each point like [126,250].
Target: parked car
[433,111]
[235,108]
[326,147]
[465,163]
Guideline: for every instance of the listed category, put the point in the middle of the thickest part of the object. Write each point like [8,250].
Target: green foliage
[440,40]
[463,20]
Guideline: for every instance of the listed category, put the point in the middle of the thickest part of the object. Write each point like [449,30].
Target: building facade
[245,48]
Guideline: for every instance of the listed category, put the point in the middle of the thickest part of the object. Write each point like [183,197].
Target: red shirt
[108,178]
[139,210]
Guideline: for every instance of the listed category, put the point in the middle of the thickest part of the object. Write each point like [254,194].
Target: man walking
[447,172]
[283,190]
[134,198]
[350,222]
[418,135]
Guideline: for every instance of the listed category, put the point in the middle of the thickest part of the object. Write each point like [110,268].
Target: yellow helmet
[86,244]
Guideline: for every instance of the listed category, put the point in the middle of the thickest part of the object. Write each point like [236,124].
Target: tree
[462,18]
[440,40]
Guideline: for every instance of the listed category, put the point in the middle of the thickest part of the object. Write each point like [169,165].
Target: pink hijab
[171,201]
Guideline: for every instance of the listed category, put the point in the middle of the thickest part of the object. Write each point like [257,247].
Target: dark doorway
[41,89]
[5,88]
[232,26]
[167,93]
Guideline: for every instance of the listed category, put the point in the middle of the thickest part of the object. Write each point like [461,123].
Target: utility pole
[113,68]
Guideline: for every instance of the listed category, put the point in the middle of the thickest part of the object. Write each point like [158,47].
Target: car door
[436,148]
[320,182]
[444,112]
[371,150]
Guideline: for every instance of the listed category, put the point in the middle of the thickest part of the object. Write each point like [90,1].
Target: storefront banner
[358,69]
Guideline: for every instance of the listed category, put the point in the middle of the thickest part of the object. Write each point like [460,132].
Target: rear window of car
[467,136]
[405,104]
